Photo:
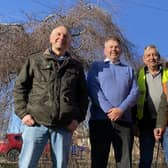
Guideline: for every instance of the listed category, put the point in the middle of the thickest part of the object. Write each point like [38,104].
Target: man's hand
[114,114]
[158,132]
[73,125]
[28,120]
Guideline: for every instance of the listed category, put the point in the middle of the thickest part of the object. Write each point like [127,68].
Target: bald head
[60,40]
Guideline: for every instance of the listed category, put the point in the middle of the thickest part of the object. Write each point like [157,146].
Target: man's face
[151,57]
[60,40]
[112,50]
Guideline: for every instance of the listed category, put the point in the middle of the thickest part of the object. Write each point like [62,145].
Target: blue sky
[141,21]
[144,22]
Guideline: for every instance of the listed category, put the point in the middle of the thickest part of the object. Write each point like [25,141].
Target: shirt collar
[159,69]
[108,60]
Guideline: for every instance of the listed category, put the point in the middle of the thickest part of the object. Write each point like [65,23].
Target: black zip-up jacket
[54,94]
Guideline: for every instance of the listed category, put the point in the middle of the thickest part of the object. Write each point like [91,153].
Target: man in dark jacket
[161,130]
[51,99]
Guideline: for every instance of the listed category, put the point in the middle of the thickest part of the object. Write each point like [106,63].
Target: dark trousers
[146,142]
[103,133]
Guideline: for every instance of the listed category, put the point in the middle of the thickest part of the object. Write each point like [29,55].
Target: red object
[10,146]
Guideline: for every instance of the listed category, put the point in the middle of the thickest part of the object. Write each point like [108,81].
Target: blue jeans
[34,140]
[165,144]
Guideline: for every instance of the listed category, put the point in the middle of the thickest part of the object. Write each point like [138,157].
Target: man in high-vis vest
[152,81]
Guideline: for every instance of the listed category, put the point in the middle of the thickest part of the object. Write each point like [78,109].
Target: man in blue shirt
[113,91]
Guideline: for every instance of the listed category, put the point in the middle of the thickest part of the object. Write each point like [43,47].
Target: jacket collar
[49,54]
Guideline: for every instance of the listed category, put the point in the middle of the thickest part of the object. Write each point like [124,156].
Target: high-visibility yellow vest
[142,89]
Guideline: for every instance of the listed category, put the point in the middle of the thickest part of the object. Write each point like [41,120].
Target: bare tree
[13,48]
[89,26]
